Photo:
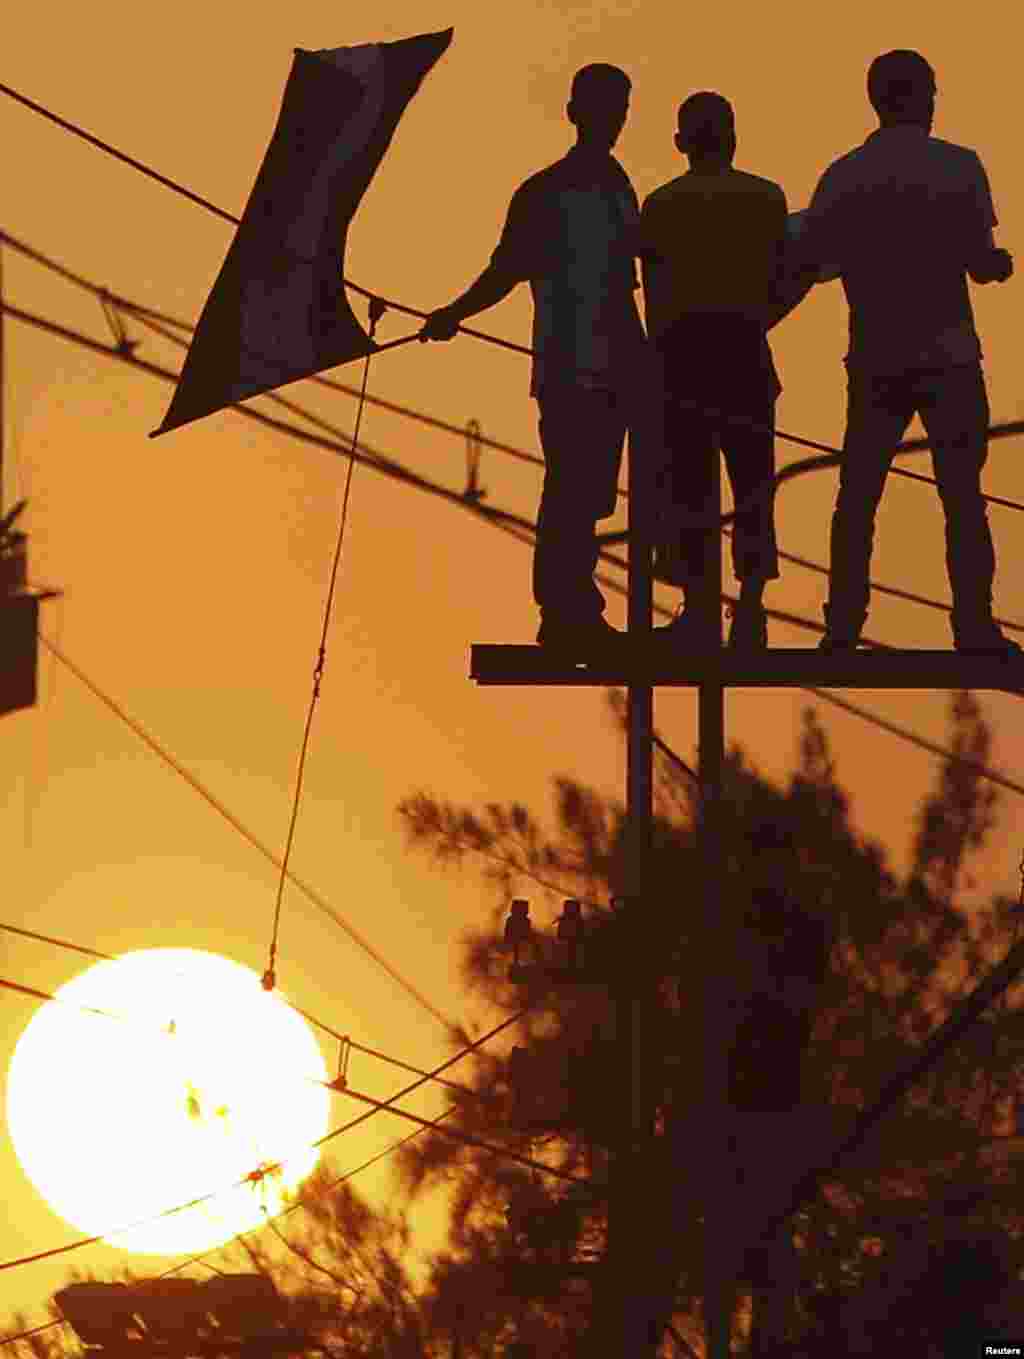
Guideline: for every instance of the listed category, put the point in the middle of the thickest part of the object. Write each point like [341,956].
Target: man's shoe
[749,631]
[681,633]
[842,629]
[577,637]
[987,640]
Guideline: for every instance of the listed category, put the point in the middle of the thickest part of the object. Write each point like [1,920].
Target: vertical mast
[1,381]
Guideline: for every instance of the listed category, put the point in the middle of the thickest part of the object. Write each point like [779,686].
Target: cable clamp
[110,311]
[377,310]
[474,491]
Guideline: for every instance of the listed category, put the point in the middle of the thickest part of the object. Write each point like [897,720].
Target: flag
[278,310]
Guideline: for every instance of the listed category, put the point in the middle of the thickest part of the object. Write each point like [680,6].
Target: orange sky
[194,568]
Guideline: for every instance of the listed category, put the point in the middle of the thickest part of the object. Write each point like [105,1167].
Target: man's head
[901,87]
[598,104]
[707,128]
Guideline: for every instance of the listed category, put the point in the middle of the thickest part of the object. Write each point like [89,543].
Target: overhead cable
[376,297]
[515,525]
[268,1169]
[225,1245]
[144,315]
[148,316]
[310,1018]
[232,820]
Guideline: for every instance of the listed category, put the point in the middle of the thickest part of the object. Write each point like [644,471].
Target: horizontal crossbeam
[774,668]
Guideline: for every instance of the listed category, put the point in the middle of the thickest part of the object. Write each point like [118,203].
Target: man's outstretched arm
[492,287]
[791,290]
[515,259]
[809,251]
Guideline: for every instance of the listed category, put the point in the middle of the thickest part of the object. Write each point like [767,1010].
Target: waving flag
[278,310]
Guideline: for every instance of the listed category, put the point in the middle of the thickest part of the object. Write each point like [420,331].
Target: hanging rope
[377,309]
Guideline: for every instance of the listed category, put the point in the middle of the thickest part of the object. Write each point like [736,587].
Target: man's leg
[955,412]
[878,413]
[683,494]
[582,434]
[750,460]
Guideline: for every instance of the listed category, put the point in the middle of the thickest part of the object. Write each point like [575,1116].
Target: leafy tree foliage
[901,955]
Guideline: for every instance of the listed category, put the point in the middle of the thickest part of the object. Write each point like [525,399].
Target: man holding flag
[570,231]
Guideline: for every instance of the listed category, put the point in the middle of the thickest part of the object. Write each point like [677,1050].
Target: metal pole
[627,1226]
[716,1167]
[1,382]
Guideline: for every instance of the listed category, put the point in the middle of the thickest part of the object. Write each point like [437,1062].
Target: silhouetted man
[571,232]
[712,242]
[903,219]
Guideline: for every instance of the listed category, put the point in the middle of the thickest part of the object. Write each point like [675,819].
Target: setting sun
[201,1078]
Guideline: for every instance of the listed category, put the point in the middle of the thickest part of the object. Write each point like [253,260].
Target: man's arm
[985,262]
[990,264]
[810,251]
[492,287]
[798,271]
[515,259]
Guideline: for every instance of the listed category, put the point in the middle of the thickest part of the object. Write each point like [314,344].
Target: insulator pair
[520,937]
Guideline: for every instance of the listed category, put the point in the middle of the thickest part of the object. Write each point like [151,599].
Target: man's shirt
[898,219]
[571,231]
[713,247]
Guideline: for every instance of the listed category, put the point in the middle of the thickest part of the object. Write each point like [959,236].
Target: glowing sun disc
[205,1078]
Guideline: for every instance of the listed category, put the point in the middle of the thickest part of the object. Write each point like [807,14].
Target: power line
[143,315]
[264,1170]
[515,525]
[1011,427]
[58,943]
[376,298]
[463,1137]
[201,1259]
[233,821]
[876,588]
[346,1092]
[147,316]
[31,991]
[310,1018]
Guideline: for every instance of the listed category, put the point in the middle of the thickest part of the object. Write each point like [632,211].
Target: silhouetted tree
[900,954]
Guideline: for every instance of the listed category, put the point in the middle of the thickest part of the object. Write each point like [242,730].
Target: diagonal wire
[378,1106]
[374,297]
[310,1018]
[58,943]
[150,318]
[874,586]
[232,820]
[515,525]
[226,1245]
[264,1170]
